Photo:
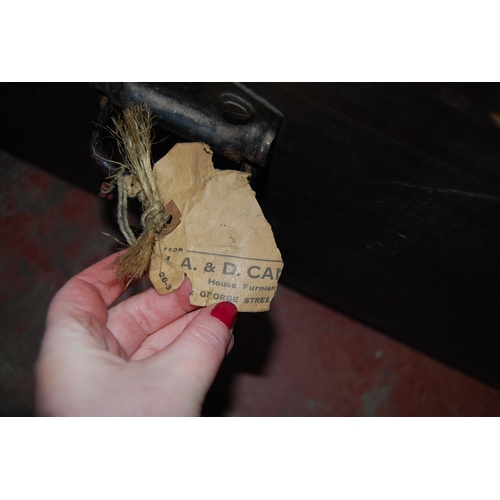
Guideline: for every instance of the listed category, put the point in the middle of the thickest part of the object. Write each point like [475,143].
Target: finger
[134,319]
[76,321]
[102,277]
[88,293]
[164,337]
[197,353]
[161,339]
[81,305]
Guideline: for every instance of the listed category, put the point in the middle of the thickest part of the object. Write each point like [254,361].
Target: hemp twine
[135,179]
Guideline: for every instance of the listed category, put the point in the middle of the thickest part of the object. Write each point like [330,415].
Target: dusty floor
[300,359]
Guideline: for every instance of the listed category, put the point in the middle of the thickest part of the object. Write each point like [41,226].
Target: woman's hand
[148,355]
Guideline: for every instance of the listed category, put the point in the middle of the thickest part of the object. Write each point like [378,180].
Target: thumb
[196,354]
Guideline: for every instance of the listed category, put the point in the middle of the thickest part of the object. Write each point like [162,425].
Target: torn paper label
[223,242]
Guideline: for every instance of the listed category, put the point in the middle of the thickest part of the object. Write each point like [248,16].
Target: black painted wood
[384,199]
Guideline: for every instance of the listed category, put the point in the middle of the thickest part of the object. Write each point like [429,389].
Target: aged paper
[223,242]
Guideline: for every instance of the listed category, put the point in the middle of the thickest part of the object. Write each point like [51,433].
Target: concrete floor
[300,359]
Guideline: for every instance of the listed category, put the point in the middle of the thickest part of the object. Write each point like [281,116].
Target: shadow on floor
[254,338]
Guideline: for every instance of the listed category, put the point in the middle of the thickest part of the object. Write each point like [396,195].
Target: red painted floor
[300,359]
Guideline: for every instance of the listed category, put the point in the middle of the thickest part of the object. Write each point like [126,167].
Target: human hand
[148,355]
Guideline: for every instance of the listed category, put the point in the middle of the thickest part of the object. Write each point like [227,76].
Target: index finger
[102,277]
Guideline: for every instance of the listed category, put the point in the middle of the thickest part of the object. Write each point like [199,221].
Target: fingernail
[225,312]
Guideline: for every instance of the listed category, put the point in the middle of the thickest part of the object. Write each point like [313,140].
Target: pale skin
[148,355]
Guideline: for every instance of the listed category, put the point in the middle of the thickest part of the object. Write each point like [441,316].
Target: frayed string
[134,179]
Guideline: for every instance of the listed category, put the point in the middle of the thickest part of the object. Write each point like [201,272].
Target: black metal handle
[231,119]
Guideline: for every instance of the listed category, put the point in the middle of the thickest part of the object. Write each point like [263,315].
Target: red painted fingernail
[225,312]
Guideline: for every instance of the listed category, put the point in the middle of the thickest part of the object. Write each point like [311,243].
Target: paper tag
[223,242]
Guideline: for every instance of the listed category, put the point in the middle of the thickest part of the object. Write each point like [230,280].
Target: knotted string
[135,179]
